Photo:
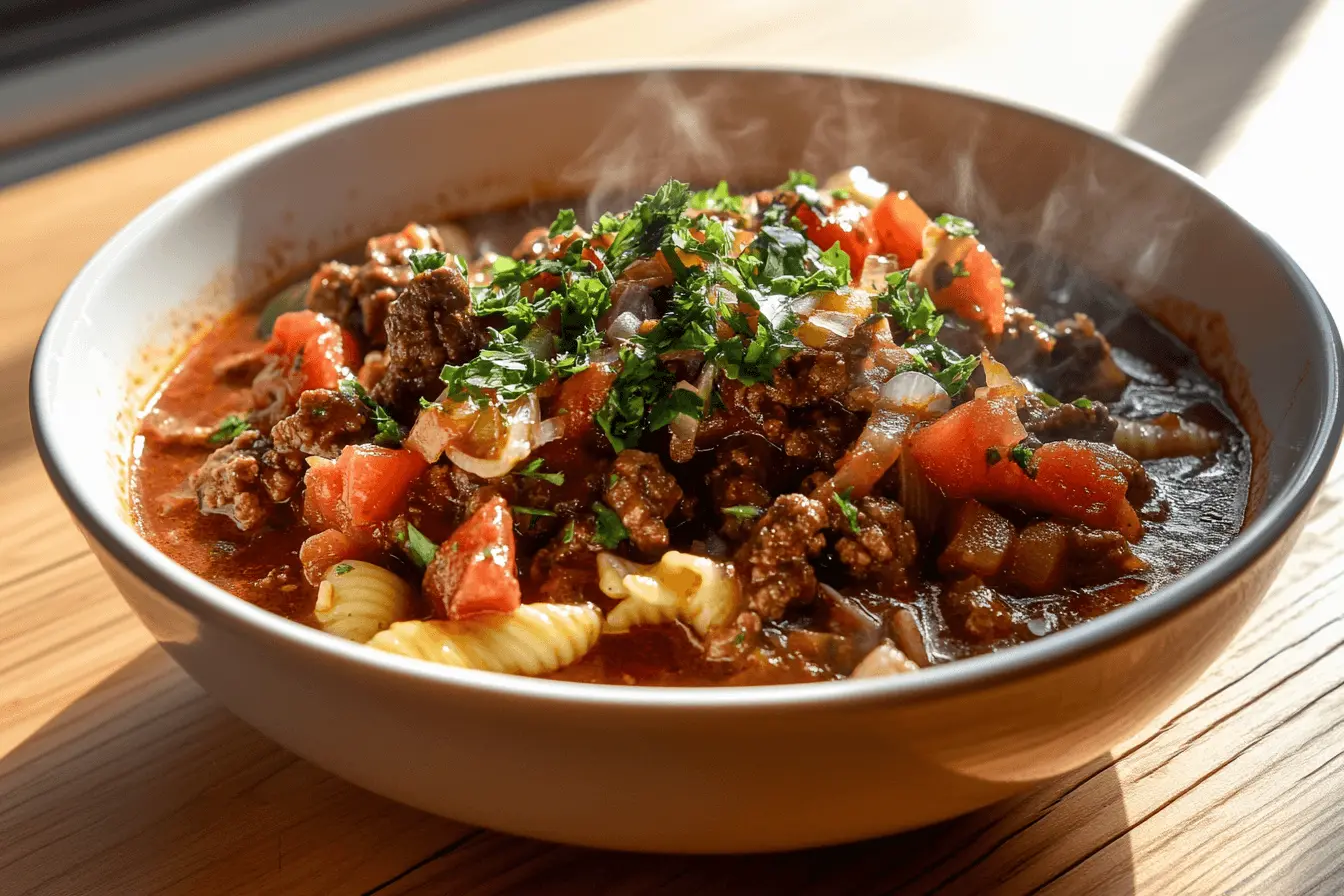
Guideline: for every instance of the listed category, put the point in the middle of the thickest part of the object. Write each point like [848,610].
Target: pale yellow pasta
[699,591]
[532,640]
[356,600]
[1166,436]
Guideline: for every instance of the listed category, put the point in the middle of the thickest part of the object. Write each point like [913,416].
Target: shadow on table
[145,784]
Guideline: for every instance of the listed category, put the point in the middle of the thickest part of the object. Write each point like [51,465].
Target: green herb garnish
[1007,283]
[230,428]
[840,194]
[915,319]
[718,199]
[388,430]
[533,471]
[568,535]
[532,511]
[955,227]
[1048,400]
[341,569]
[419,548]
[798,178]
[1084,403]
[1025,458]
[959,270]
[744,511]
[610,530]
[564,222]
[422,260]
[847,508]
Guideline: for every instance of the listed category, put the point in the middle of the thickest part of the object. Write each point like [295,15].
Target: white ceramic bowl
[673,769]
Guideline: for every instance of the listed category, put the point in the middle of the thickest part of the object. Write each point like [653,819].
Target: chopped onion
[999,381]
[915,393]
[517,443]
[837,323]
[436,428]
[634,298]
[547,431]
[684,427]
[861,186]
[875,271]
[623,328]
[540,343]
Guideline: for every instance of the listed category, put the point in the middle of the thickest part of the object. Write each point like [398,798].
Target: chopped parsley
[1048,400]
[1083,403]
[388,430]
[739,638]
[959,270]
[744,511]
[1008,283]
[840,194]
[993,455]
[533,471]
[422,260]
[955,227]
[564,222]
[568,535]
[912,313]
[531,511]
[419,548]
[230,428]
[610,530]
[1024,457]
[798,178]
[847,508]
[718,199]
[341,569]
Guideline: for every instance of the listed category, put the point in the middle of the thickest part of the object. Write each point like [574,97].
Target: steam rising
[1046,203]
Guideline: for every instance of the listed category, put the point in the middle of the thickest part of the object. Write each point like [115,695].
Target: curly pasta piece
[356,600]
[532,640]
[699,591]
[1164,436]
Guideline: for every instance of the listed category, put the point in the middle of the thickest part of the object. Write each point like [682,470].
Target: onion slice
[904,400]
[515,447]
[684,427]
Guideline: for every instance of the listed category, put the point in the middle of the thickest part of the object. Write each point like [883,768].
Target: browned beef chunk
[885,545]
[1066,421]
[734,639]
[430,325]
[324,423]
[773,563]
[566,568]
[236,482]
[1026,344]
[741,469]
[1081,364]
[358,298]
[643,495]
[977,611]
[1097,556]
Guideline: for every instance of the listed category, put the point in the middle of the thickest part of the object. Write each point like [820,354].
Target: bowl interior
[1122,215]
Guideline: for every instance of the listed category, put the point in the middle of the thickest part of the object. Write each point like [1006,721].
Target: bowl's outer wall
[657,775]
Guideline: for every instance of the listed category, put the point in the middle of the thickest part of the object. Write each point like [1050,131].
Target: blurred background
[1243,91]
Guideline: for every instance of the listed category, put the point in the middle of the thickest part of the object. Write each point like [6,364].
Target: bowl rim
[120,540]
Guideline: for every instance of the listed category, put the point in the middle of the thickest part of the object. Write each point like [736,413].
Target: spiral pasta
[356,600]
[532,640]
[1164,436]
[700,591]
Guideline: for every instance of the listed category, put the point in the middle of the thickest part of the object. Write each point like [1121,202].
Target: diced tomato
[320,551]
[953,450]
[376,480]
[846,224]
[979,294]
[581,396]
[1075,480]
[898,224]
[329,352]
[475,571]
[322,487]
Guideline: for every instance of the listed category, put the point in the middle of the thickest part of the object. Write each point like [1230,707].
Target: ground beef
[1081,364]
[733,640]
[232,481]
[738,478]
[430,325]
[1026,343]
[1066,421]
[773,563]
[977,611]
[324,423]
[819,436]
[643,495]
[809,378]
[884,547]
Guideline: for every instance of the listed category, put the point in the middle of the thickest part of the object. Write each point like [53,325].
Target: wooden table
[118,775]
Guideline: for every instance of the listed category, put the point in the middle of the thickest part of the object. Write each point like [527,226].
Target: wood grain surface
[118,775]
